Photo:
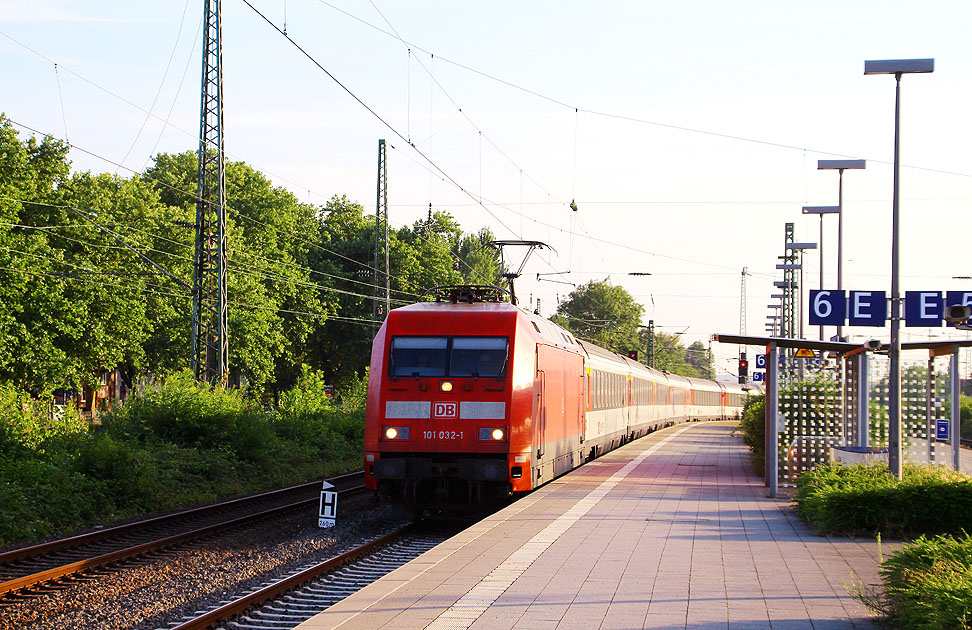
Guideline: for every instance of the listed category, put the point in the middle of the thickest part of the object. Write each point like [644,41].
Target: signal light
[633,355]
[743,367]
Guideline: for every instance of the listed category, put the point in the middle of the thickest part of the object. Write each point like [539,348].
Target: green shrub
[753,426]
[186,412]
[26,423]
[174,446]
[866,500]
[40,498]
[928,584]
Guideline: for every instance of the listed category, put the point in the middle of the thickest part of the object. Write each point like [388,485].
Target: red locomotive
[472,399]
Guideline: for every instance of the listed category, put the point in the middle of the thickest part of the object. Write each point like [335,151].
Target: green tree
[423,255]
[700,359]
[273,301]
[72,300]
[602,313]
[672,356]
[479,263]
[346,257]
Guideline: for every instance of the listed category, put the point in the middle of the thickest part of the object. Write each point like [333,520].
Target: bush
[928,584]
[188,413]
[753,426]
[307,416]
[866,500]
[25,423]
[173,446]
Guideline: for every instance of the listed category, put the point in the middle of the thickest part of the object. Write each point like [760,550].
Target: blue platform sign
[759,377]
[867,308]
[923,308]
[963,298]
[827,308]
[941,429]
[760,361]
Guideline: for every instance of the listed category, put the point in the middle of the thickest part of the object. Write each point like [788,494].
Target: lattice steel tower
[788,323]
[381,245]
[742,303]
[210,339]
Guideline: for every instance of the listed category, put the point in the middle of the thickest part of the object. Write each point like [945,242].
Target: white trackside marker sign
[328,506]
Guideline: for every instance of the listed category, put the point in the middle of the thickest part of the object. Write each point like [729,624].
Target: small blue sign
[867,308]
[759,377]
[827,308]
[962,298]
[941,429]
[923,308]
[760,361]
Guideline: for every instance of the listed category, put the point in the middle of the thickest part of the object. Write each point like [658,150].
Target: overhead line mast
[381,224]
[210,337]
[743,362]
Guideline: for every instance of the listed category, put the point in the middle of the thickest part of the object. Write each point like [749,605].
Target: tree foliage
[79,296]
[602,313]
[609,316]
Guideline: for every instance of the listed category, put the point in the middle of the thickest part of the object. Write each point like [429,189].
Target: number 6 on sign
[827,308]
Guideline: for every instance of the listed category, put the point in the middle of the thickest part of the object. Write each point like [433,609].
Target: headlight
[396,433]
[492,434]
[445,386]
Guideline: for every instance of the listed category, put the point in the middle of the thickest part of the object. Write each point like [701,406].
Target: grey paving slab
[671,531]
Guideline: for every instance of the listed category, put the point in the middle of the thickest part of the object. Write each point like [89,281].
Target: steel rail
[235,607]
[17,584]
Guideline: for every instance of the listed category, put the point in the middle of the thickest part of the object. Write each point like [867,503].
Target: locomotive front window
[478,357]
[419,356]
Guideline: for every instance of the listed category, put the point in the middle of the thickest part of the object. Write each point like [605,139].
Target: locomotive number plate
[442,435]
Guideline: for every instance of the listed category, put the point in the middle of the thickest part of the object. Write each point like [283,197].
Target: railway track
[312,589]
[38,568]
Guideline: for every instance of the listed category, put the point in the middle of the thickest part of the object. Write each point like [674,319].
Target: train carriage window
[418,356]
[478,356]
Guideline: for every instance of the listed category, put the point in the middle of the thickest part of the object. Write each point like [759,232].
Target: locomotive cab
[440,399]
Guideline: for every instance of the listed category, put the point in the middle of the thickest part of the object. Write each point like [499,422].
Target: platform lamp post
[822,210]
[840,166]
[800,248]
[897,67]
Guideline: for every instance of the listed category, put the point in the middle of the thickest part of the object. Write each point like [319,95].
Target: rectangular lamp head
[821,209]
[840,164]
[899,66]
[801,246]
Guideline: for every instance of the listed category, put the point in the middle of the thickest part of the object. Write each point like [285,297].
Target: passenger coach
[472,399]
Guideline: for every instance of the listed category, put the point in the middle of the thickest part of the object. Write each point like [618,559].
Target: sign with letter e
[868,308]
[328,506]
[827,308]
[959,298]
[923,308]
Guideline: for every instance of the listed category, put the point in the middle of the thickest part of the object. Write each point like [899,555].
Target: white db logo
[445,411]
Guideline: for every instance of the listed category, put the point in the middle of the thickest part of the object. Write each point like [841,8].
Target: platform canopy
[842,347]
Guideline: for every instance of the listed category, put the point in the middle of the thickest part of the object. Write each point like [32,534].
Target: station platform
[669,531]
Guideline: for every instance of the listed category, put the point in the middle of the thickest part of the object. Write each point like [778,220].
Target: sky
[687,132]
